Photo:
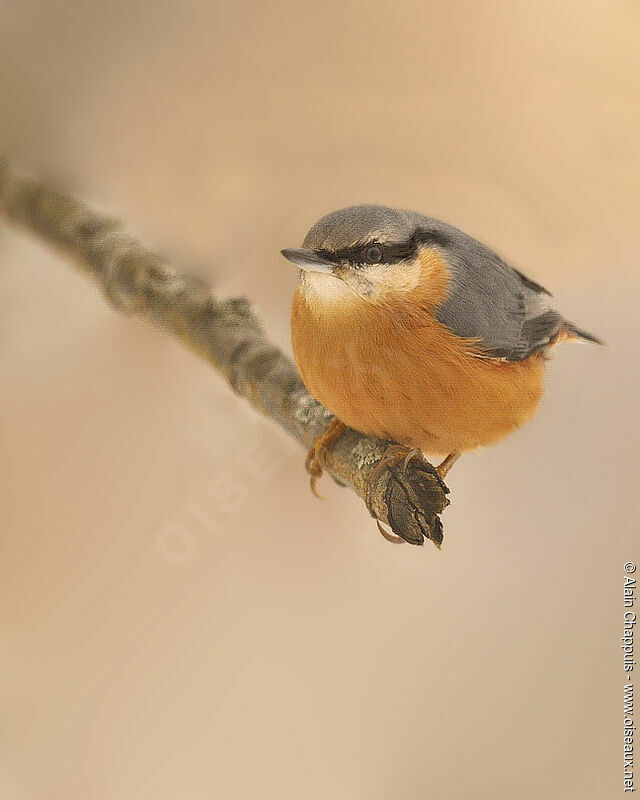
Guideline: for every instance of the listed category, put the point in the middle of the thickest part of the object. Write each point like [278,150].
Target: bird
[409,329]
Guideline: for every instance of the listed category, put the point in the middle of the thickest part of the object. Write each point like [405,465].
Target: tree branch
[228,335]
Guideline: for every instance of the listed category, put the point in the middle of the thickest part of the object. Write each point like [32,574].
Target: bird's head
[367,254]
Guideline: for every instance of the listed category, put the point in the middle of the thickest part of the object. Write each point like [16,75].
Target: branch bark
[228,335]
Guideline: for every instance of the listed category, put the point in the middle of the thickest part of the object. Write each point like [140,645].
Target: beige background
[180,618]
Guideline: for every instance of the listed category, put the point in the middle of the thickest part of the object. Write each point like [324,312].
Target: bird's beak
[308,259]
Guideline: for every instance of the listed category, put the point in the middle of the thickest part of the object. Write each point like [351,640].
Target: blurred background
[180,617]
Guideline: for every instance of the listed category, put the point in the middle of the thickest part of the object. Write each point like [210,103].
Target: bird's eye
[373,254]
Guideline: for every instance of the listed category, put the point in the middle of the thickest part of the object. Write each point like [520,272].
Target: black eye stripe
[392,252]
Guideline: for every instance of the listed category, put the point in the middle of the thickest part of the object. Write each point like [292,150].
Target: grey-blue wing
[509,314]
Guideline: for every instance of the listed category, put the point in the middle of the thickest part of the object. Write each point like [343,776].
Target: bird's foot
[392,455]
[314,463]
[444,466]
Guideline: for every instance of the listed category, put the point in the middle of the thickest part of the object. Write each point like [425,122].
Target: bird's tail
[572,331]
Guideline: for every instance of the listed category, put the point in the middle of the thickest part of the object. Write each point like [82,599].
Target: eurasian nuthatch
[409,329]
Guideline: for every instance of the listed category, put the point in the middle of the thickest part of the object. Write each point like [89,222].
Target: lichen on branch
[226,333]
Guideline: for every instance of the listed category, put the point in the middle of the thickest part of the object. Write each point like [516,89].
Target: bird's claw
[392,455]
[390,537]
[314,463]
[315,468]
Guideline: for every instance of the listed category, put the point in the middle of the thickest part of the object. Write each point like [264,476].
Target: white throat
[324,291]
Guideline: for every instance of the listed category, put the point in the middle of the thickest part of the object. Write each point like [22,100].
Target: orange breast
[392,370]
